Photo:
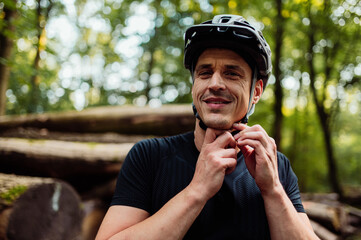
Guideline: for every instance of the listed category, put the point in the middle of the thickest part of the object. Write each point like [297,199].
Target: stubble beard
[219,123]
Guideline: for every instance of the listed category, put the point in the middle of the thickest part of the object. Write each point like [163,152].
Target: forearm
[172,221]
[283,219]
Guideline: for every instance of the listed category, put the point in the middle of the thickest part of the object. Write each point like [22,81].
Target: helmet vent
[225,19]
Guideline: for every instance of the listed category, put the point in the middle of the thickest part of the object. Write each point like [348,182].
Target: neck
[199,134]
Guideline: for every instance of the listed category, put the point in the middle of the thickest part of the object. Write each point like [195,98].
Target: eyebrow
[228,67]
[237,68]
[203,66]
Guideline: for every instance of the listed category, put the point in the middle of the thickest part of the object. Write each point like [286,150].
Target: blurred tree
[277,126]
[41,17]
[325,62]
[7,15]
[35,72]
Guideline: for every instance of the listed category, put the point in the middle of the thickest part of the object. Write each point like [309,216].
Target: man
[226,180]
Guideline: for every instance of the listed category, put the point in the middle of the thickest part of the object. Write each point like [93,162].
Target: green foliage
[131,52]
[13,193]
[348,152]
[304,145]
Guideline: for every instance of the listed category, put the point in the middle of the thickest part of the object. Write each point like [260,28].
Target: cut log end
[50,210]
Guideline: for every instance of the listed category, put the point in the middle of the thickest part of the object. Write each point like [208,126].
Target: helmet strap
[251,106]
[201,123]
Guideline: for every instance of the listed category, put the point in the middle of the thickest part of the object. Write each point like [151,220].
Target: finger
[229,170]
[226,140]
[258,133]
[258,143]
[210,136]
[229,153]
[257,136]
[255,144]
[230,164]
[238,127]
[253,147]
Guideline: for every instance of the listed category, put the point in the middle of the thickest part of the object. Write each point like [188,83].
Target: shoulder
[161,145]
[289,181]
[283,161]
[284,167]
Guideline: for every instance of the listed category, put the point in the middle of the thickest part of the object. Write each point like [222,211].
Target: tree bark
[94,213]
[328,215]
[62,158]
[164,121]
[38,208]
[323,116]
[6,43]
[277,126]
[45,134]
[35,79]
[81,164]
[341,219]
[322,232]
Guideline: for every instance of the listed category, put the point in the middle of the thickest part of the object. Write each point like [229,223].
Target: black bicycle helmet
[231,32]
[235,33]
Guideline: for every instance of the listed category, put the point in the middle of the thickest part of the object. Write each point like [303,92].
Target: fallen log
[166,120]
[339,218]
[102,191]
[43,133]
[78,163]
[332,216]
[322,232]
[38,208]
[94,212]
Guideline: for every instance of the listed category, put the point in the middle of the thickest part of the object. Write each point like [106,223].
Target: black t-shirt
[155,170]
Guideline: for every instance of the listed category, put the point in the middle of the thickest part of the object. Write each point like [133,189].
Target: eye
[205,73]
[233,74]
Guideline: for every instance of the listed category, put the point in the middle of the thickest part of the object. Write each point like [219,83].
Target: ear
[258,90]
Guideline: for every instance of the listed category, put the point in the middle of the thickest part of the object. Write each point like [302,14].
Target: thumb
[210,136]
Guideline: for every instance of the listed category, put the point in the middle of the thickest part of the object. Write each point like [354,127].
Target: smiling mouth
[216,101]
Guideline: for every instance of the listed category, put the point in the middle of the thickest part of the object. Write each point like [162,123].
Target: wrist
[195,196]
[276,191]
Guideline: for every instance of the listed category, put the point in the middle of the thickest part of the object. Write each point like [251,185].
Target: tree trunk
[323,117]
[38,208]
[164,121]
[35,79]
[277,126]
[6,43]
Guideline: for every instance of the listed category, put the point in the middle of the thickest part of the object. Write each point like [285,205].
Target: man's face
[221,89]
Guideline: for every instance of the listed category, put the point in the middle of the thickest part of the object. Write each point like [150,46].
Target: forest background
[59,55]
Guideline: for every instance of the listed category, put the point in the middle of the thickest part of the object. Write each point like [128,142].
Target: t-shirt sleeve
[133,184]
[290,182]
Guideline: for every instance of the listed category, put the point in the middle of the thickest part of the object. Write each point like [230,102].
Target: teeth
[216,102]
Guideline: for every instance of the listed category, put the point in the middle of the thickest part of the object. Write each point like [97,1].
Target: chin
[219,124]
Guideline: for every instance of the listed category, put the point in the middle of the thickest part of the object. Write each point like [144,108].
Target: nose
[216,82]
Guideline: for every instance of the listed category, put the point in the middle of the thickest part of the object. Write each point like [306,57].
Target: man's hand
[260,154]
[218,157]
